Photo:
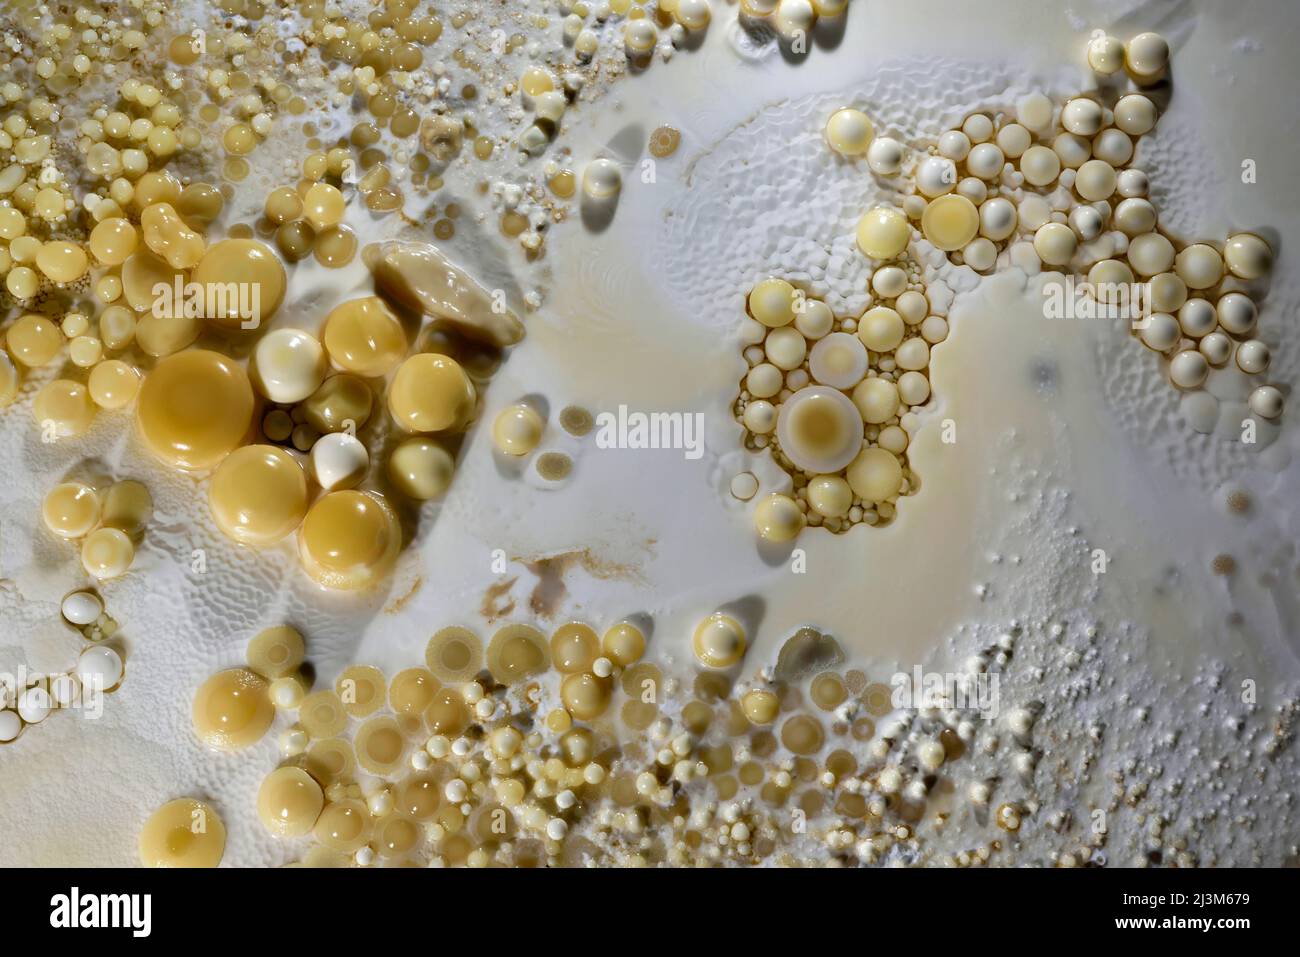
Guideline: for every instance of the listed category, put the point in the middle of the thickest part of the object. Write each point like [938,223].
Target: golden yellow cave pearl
[258,279]
[341,399]
[62,261]
[447,713]
[323,206]
[283,205]
[276,652]
[396,835]
[183,833]
[517,652]
[574,647]
[418,796]
[258,495]
[875,475]
[802,734]
[849,132]
[420,468]
[63,409]
[380,745]
[335,247]
[778,518]
[343,825]
[412,691]
[819,429]
[232,710]
[517,429]
[719,641]
[362,689]
[623,644]
[322,714]
[881,329]
[107,553]
[127,506]
[113,384]
[772,303]
[349,540]
[166,234]
[760,707]
[71,510]
[830,496]
[883,233]
[365,337]
[950,222]
[195,407]
[289,801]
[431,393]
[586,696]
[454,654]
[34,340]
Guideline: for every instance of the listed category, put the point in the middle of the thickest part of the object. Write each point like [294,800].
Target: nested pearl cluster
[500,755]
[99,669]
[833,399]
[1046,185]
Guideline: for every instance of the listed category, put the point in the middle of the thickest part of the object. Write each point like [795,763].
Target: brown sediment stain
[401,601]
[494,603]
[548,594]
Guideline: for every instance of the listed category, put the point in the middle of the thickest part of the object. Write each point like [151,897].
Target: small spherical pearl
[1253,357]
[1034,110]
[885,156]
[1131,182]
[1106,55]
[719,640]
[1040,165]
[1236,313]
[955,145]
[1135,114]
[849,132]
[815,320]
[1200,266]
[1095,180]
[985,161]
[1147,55]
[1013,139]
[602,179]
[82,607]
[289,365]
[777,518]
[1086,222]
[1188,369]
[936,176]
[760,417]
[889,282]
[978,127]
[1216,347]
[1113,146]
[1247,256]
[99,667]
[339,460]
[997,219]
[1161,332]
[1082,116]
[1150,254]
[1134,216]
[1055,243]
[1266,401]
[1197,318]
[1074,150]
